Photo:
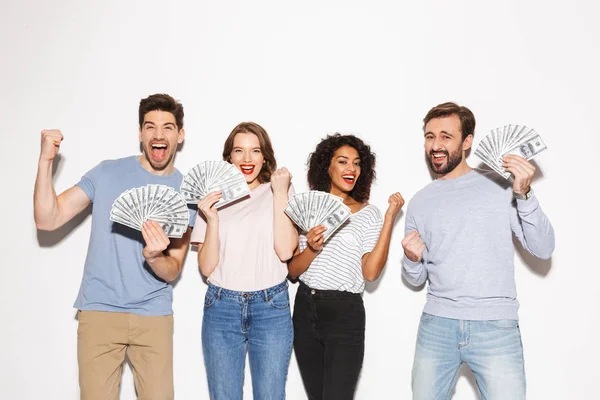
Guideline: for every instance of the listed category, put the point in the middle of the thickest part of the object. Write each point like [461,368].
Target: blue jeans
[492,349]
[259,322]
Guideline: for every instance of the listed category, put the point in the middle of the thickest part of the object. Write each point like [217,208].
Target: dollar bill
[293,216]
[152,202]
[211,176]
[294,212]
[125,221]
[528,149]
[232,193]
[173,230]
[313,208]
[509,139]
[491,161]
[334,220]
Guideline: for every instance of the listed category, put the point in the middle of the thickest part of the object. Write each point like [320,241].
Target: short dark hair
[466,117]
[266,148]
[161,102]
[320,160]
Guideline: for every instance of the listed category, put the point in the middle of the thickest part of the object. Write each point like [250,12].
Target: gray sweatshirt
[467,225]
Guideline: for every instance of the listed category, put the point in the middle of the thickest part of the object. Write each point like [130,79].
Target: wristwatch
[522,196]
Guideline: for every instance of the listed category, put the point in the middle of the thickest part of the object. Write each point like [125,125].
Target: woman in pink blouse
[242,250]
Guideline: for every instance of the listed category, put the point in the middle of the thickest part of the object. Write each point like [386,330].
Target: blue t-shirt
[116,276]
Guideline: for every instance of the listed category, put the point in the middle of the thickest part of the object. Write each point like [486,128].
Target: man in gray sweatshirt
[459,237]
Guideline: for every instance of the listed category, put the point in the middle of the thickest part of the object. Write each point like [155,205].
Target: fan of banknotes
[158,203]
[211,176]
[509,139]
[314,207]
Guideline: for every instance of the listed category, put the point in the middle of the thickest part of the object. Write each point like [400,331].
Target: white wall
[302,70]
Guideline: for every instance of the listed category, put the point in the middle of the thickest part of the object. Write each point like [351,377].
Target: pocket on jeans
[209,299]
[426,318]
[505,324]
[281,300]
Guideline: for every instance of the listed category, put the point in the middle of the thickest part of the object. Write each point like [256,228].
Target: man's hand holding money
[156,240]
[522,171]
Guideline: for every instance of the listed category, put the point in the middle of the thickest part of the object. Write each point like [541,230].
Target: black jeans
[329,341]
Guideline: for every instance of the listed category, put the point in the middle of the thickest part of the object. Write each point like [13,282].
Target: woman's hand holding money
[522,170]
[207,206]
[395,201]
[315,238]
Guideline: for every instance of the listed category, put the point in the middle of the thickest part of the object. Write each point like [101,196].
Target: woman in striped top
[329,315]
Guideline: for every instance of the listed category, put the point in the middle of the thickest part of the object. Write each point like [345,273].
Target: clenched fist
[280,180]
[396,201]
[413,246]
[51,139]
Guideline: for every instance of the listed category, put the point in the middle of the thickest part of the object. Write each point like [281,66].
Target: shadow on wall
[52,238]
[194,249]
[536,265]
[411,287]
[371,287]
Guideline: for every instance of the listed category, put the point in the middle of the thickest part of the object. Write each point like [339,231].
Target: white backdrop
[302,70]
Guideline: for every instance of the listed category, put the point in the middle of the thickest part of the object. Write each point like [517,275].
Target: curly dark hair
[320,160]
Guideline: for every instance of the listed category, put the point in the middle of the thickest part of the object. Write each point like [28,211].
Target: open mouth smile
[439,157]
[349,178]
[247,169]
[158,150]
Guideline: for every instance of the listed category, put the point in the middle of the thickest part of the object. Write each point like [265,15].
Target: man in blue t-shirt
[125,299]
[459,238]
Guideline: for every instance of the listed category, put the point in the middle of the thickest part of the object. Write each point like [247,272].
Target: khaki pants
[103,341]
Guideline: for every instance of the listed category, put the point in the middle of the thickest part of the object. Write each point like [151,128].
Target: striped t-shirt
[339,264]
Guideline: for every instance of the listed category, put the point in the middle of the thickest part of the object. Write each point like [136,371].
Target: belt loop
[219,293]
[266,294]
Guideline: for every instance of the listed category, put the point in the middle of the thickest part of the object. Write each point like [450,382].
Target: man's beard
[452,161]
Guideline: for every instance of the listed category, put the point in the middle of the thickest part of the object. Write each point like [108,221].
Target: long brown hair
[266,148]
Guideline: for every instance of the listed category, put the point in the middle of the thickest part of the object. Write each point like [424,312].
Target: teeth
[159,146]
